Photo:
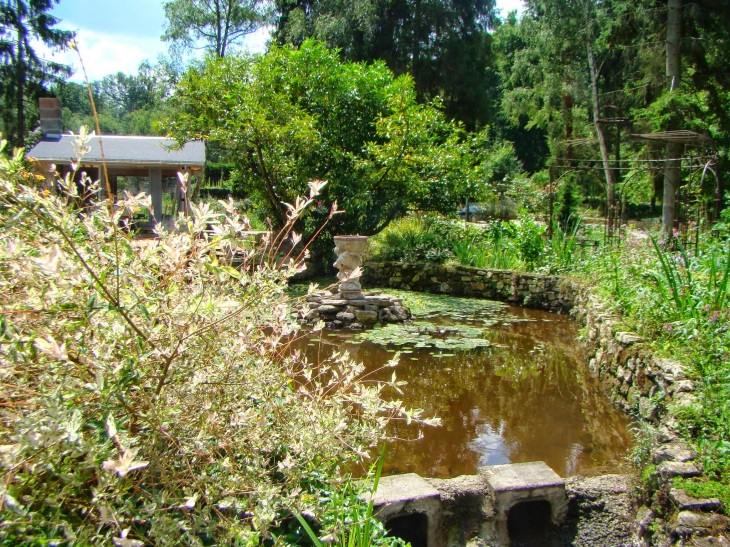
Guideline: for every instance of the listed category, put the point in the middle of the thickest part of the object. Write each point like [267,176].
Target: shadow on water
[509,384]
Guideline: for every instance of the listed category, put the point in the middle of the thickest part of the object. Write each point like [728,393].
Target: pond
[509,384]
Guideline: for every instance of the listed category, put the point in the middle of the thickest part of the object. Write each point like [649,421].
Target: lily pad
[440,306]
[424,334]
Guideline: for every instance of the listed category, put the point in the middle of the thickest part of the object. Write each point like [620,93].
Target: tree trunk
[672,166]
[220,48]
[568,108]
[417,45]
[610,205]
[20,84]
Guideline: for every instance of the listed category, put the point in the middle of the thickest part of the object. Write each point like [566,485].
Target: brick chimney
[51,118]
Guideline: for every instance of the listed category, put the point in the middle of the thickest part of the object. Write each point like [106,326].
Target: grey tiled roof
[122,150]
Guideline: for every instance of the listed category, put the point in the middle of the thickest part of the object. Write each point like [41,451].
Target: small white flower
[125,463]
[123,541]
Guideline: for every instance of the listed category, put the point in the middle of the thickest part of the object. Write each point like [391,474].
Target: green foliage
[502,164]
[530,241]
[126,105]
[679,300]
[294,115]
[567,202]
[149,392]
[563,247]
[704,489]
[677,285]
[410,239]
[504,245]
[500,252]
[444,46]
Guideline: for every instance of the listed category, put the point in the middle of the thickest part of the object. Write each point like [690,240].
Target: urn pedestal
[345,306]
[349,250]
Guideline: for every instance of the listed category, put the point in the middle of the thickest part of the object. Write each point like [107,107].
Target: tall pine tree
[23,73]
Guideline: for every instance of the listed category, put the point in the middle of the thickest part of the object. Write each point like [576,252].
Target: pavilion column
[156,193]
[102,185]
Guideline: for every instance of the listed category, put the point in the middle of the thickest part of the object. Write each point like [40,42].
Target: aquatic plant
[427,305]
[422,334]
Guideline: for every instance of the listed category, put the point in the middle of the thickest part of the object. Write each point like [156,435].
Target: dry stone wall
[545,292]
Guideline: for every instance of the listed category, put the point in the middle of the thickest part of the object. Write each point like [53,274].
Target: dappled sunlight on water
[523,393]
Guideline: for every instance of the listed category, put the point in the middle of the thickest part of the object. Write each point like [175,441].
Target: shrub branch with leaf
[149,396]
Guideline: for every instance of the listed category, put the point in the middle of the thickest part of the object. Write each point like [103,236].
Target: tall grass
[353,523]
[563,246]
[498,255]
[693,295]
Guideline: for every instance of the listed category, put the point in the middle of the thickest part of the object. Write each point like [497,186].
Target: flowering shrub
[148,393]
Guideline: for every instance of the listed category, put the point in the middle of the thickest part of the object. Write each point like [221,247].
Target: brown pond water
[526,396]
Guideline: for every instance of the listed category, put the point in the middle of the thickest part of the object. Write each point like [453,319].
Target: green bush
[148,393]
[410,239]
[505,245]
[298,114]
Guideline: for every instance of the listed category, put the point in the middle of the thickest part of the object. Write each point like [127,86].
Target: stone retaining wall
[545,292]
[650,388]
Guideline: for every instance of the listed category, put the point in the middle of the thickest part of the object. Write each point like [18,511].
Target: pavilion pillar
[156,193]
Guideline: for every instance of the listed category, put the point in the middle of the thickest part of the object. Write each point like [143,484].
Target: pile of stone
[339,312]
[346,306]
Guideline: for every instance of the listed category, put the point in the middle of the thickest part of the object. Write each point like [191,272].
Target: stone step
[685,502]
[685,470]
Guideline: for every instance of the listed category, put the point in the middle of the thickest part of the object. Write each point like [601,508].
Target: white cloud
[105,54]
[505,6]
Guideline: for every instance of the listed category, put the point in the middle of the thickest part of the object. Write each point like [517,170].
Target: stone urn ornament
[349,250]
[345,305]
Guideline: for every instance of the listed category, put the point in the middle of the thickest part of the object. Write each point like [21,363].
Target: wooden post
[550,203]
[718,197]
[674,150]
[155,178]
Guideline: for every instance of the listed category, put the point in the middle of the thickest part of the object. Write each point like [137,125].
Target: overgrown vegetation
[678,300]
[122,355]
[298,114]
[507,245]
[148,393]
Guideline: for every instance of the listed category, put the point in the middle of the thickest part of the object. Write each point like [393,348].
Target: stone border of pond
[651,389]
[338,312]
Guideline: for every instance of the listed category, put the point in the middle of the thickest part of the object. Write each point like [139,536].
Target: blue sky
[116,36]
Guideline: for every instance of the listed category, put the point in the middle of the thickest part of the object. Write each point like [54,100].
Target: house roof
[121,150]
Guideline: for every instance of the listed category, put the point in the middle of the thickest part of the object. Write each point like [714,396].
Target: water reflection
[526,397]
[491,445]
